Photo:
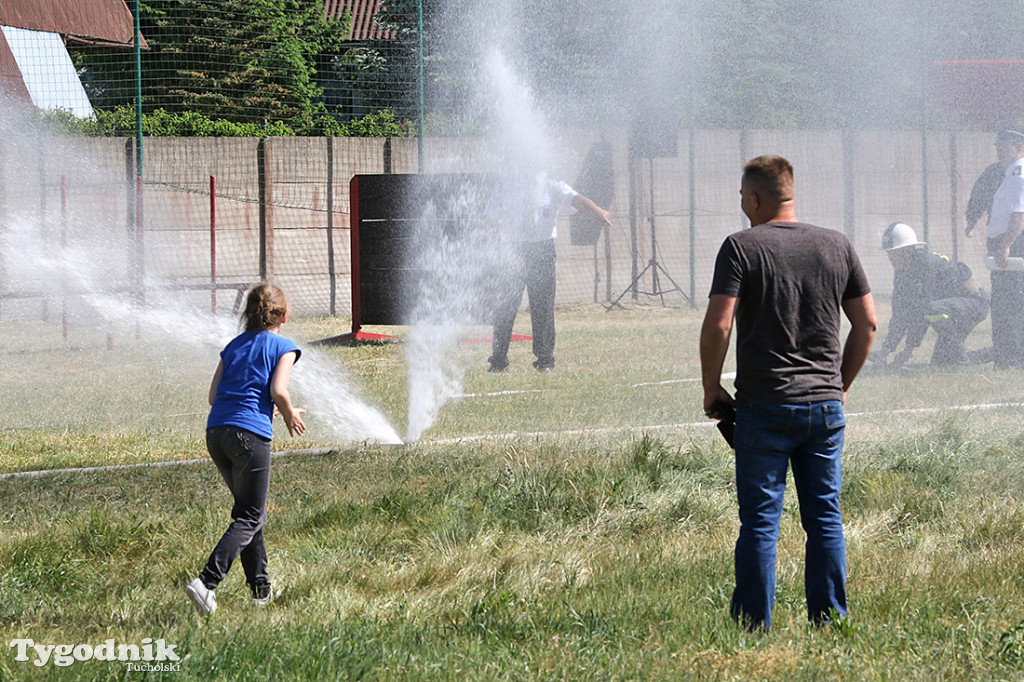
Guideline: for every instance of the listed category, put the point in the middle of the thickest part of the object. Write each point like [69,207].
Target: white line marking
[487,395]
[700,424]
[169,463]
[727,375]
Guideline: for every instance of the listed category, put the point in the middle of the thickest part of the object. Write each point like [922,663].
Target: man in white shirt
[1005,225]
[526,211]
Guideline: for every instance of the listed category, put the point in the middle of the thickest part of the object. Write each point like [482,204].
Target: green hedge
[120,122]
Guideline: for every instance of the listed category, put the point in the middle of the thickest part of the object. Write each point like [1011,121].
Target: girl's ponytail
[265,307]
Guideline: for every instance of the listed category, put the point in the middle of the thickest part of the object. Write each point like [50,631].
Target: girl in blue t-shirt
[248,389]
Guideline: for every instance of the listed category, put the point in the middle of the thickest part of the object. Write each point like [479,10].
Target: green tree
[712,63]
[383,74]
[236,60]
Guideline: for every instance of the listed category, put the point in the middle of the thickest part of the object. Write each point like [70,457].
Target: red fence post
[213,245]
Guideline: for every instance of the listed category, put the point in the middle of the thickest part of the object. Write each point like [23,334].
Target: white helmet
[899,236]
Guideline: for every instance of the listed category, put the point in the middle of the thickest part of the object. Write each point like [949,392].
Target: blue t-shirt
[243,394]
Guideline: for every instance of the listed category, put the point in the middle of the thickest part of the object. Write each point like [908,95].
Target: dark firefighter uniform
[935,291]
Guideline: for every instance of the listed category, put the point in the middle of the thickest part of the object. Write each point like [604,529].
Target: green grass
[588,547]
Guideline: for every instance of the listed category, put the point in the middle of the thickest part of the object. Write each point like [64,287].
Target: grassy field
[574,525]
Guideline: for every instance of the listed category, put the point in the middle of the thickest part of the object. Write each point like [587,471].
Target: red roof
[11,83]
[91,21]
[364,15]
[83,21]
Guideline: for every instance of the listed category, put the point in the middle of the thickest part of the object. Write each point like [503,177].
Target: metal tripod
[652,265]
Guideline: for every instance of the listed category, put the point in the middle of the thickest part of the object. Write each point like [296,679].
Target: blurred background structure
[204,144]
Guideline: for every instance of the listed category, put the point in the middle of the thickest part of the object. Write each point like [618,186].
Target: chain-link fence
[225,212]
[245,122]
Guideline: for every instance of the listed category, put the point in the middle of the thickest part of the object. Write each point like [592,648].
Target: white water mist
[455,255]
[435,374]
[60,258]
[326,389]
[458,244]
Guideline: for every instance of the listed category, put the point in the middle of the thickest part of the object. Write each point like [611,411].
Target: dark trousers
[1008,317]
[531,266]
[953,319]
[243,459]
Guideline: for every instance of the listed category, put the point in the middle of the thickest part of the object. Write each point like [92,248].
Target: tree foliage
[237,60]
[604,63]
[725,63]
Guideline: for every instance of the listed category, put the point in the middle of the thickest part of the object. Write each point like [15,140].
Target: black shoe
[262,595]
[544,366]
[951,362]
[497,368]
[981,356]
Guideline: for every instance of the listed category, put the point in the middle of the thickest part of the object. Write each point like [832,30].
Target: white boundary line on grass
[727,375]
[701,424]
[492,436]
[495,393]
[152,465]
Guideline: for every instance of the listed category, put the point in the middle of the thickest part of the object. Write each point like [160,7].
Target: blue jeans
[768,439]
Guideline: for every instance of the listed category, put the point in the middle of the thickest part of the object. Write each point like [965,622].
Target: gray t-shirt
[790,280]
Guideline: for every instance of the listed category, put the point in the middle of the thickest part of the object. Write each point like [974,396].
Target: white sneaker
[201,596]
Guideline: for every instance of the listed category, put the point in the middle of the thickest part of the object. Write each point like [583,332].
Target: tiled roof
[364,18]
[92,21]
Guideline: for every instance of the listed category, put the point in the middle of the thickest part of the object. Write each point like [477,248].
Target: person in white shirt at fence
[526,209]
[1005,225]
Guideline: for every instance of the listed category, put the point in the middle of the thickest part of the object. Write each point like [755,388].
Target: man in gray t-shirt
[787,284]
[789,280]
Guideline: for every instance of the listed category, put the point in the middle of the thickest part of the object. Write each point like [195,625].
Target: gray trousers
[1008,318]
[531,266]
[243,460]
[953,319]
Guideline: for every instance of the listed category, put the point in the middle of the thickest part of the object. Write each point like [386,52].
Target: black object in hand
[727,423]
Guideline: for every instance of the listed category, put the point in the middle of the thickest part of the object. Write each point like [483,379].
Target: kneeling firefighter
[929,289]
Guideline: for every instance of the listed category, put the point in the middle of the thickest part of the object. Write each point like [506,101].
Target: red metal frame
[213,245]
[353,230]
[357,334]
